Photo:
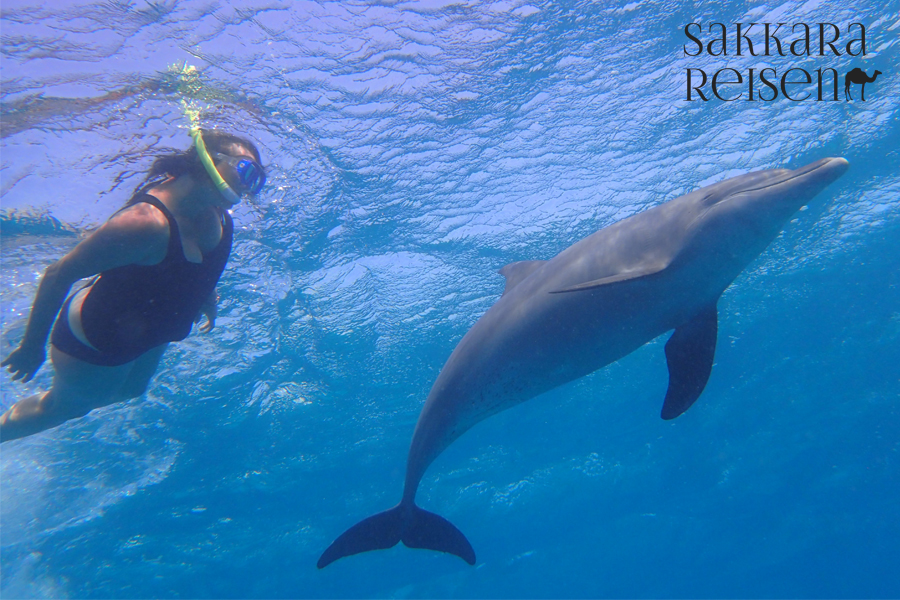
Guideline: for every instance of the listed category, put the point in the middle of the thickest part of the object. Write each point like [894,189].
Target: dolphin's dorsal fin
[689,353]
[517,271]
[623,276]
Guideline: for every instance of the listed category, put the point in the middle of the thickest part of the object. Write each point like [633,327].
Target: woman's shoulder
[143,213]
[142,222]
[137,234]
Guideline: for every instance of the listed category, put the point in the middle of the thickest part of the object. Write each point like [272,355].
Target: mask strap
[223,187]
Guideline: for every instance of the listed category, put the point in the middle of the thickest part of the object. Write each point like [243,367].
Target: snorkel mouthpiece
[223,187]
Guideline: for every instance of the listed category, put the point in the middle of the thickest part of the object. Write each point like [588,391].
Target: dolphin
[595,302]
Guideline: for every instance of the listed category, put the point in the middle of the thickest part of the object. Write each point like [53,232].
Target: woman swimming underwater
[157,262]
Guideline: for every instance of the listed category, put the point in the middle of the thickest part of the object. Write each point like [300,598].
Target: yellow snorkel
[223,187]
[189,77]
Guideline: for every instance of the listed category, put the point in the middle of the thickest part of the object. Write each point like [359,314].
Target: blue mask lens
[251,175]
[249,172]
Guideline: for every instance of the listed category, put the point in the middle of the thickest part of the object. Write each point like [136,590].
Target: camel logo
[859,76]
[766,84]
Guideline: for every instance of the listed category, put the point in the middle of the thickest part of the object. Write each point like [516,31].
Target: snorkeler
[159,260]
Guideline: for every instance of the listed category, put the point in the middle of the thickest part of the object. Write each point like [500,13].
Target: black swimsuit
[134,308]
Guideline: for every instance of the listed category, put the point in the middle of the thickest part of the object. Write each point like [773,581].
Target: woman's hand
[24,362]
[210,310]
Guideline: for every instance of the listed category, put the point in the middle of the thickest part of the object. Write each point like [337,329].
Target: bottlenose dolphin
[595,302]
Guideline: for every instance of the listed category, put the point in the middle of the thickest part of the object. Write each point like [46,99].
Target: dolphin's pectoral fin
[689,353]
[517,271]
[416,527]
[624,276]
[434,532]
[375,533]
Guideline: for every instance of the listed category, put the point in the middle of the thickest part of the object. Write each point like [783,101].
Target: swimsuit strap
[227,224]
[174,248]
[175,233]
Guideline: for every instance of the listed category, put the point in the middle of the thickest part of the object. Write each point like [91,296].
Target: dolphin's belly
[569,336]
[531,342]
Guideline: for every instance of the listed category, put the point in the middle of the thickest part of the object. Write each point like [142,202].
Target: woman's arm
[24,362]
[137,235]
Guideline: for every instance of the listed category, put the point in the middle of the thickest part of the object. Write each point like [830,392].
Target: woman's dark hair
[188,161]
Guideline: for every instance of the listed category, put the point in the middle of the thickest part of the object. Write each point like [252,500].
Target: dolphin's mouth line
[764,187]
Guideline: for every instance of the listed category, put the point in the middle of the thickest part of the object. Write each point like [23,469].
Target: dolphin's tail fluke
[434,532]
[415,527]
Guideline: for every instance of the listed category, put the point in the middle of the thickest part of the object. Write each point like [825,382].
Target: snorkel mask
[247,172]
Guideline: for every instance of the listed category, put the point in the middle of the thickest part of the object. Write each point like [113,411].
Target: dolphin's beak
[773,196]
[797,187]
[820,173]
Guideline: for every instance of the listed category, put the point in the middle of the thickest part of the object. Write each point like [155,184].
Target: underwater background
[414,148]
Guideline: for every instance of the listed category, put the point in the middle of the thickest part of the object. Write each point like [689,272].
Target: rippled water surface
[414,148]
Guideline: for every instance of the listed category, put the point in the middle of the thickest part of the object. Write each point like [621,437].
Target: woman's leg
[78,387]
[142,371]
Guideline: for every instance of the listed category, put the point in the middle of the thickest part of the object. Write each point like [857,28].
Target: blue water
[414,149]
